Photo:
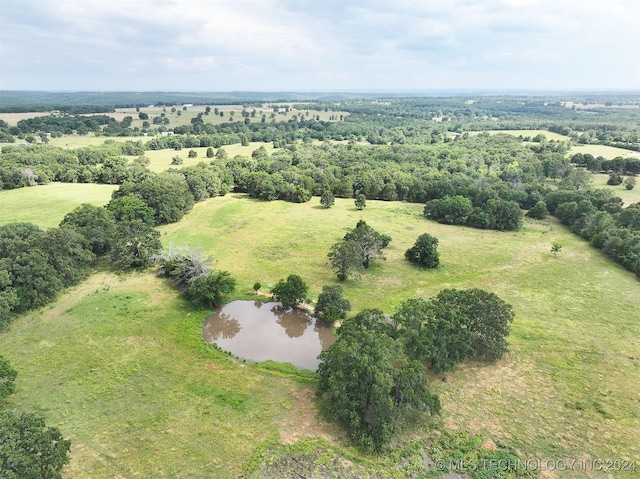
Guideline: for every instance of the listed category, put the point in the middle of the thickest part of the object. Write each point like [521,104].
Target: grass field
[185,116]
[608,152]
[13,118]
[46,205]
[160,160]
[119,365]
[628,196]
[76,141]
[562,376]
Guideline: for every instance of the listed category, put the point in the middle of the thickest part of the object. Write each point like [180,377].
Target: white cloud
[327,45]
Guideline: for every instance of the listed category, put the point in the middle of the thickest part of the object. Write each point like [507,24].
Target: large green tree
[367,384]
[370,241]
[327,199]
[167,194]
[29,449]
[331,305]
[128,208]
[346,259]
[454,326]
[68,252]
[291,291]
[95,223]
[135,245]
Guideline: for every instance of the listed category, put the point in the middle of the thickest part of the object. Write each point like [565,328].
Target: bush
[424,252]
[539,211]
[290,292]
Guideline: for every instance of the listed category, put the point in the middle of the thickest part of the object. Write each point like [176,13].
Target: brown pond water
[259,331]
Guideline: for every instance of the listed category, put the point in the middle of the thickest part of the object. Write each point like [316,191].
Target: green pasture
[530,133]
[608,152]
[628,196]
[46,205]
[575,348]
[160,160]
[81,141]
[230,112]
[118,364]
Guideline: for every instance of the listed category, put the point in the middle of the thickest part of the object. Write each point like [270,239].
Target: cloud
[323,45]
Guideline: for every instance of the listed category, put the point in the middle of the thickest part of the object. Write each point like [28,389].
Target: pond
[259,331]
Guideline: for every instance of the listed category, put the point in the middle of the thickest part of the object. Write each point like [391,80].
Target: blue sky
[319,45]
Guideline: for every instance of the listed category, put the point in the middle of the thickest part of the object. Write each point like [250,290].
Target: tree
[450,210]
[167,194]
[331,305]
[34,280]
[192,154]
[367,384]
[327,199]
[7,377]
[615,179]
[96,224]
[210,153]
[29,449]
[370,241]
[485,317]
[68,252]
[210,290]
[290,292]
[8,296]
[504,215]
[143,116]
[629,183]
[539,211]
[135,245]
[129,208]
[556,248]
[346,259]
[424,252]
[361,201]
[257,286]
[177,160]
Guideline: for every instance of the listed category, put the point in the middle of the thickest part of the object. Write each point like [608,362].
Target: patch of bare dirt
[303,420]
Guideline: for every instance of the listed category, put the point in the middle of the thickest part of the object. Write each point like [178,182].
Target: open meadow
[119,365]
[608,152]
[46,205]
[599,180]
[160,160]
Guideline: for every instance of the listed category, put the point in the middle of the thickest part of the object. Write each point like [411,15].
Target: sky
[319,45]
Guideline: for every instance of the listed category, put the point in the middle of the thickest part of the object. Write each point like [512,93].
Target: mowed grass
[575,360]
[119,365]
[46,205]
